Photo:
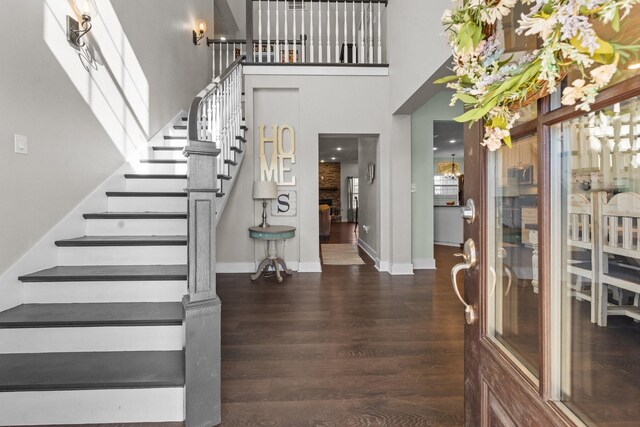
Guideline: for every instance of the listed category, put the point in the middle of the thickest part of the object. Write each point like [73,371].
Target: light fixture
[86,9]
[223,39]
[333,158]
[339,148]
[453,174]
[201,26]
[452,141]
[265,190]
[634,66]
[435,148]
[322,161]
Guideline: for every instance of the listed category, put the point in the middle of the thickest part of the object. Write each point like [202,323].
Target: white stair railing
[315,31]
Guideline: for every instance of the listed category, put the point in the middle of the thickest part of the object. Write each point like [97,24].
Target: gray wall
[416,50]
[347,169]
[422,175]
[82,125]
[324,105]
[369,212]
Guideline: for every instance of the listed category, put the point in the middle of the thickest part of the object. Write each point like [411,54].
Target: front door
[552,268]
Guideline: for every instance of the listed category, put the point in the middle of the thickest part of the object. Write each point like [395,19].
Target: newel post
[202,305]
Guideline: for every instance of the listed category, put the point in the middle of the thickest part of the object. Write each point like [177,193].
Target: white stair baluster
[277,59]
[295,33]
[320,58]
[328,33]
[379,37]
[361,54]
[311,39]
[220,69]
[259,30]
[370,33]
[286,31]
[227,45]
[345,37]
[268,30]
[354,41]
[337,43]
[303,37]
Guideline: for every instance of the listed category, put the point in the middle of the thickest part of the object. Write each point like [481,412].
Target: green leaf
[467,99]
[615,23]
[446,79]
[507,140]
[476,113]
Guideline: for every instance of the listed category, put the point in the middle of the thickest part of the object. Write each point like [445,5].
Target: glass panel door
[512,217]
[596,264]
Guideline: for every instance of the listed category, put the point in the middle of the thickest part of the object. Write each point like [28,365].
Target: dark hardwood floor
[346,347]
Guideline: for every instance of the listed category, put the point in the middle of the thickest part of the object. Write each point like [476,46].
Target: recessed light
[452,141]
[333,158]
[339,148]
[322,161]
[435,148]
[223,38]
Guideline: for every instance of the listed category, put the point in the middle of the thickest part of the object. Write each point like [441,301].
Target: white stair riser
[122,255]
[178,132]
[175,142]
[136,227]
[162,168]
[97,292]
[147,204]
[92,406]
[85,339]
[166,154]
[156,184]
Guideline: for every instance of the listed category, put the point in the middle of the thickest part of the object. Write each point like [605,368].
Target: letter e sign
[285,204]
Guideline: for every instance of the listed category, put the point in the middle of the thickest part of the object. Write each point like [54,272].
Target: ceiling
[443,133]
[329,152]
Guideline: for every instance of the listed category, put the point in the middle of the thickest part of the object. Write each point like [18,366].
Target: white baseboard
[372,254]
[310,267]
[44,253]
[236,267]
[424,264]
[398,269]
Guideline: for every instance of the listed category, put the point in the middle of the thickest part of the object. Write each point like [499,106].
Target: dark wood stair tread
[244,127]
[146,194]
[165,148]
[91,371]
[93,314]
[163,161]
[224,177]
[180,127]
[136,215]
[241,138]
[154,176]
[123,241]
[108,273]
[174,137]
[230,162]
[236,149]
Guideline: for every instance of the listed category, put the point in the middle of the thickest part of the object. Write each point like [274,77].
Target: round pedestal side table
[272,234]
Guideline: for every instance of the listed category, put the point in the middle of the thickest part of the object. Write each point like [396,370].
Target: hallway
[346,347]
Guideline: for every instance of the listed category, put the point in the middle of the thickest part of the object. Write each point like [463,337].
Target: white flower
[602,75]
[541,26]
[491,14]
[447,16]
[493,138]
[571,94]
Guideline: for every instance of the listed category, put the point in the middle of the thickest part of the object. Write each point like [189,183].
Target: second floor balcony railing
[309,32]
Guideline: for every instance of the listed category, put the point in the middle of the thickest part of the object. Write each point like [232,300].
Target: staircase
[100,338]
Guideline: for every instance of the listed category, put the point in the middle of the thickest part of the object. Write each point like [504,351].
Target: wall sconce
[86,9]
[201,25]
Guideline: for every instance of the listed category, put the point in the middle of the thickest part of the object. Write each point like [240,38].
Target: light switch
[20,142]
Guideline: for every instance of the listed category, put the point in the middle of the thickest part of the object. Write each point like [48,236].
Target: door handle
[470,260]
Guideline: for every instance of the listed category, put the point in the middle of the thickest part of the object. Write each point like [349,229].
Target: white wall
[330,104]
[81,125]
[416,50]
[347,169]
[369,198]
[422,175]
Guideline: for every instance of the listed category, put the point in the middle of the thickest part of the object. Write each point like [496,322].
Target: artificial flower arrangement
[494,88]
